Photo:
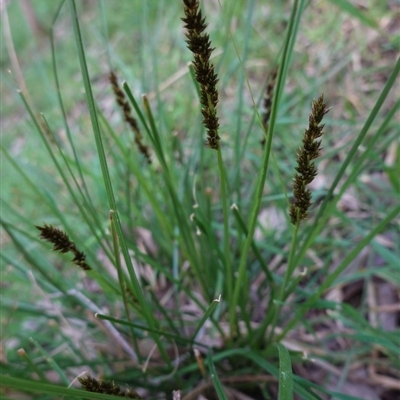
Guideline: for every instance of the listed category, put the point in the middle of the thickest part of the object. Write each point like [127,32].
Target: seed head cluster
[93,385]
[306,169]
[126,109]
[200,45]
[63,244]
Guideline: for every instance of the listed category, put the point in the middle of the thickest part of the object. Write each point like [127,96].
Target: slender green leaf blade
[45,388]
[285,374]
[353,11]
[216,381]
[206,315]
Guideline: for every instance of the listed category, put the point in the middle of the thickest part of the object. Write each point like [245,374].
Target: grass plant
[220,246]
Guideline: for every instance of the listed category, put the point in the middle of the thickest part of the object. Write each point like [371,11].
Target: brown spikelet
[126,109]
[63,244]
[306,169]
[199,44]
[93,385]
[267,103]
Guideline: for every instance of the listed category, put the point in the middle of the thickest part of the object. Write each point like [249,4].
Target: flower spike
[199,44]
[306,169]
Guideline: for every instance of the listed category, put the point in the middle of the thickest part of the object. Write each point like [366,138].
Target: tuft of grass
[184,289]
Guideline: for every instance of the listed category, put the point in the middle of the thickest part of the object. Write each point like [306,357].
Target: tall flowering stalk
[199,43]
[306,169]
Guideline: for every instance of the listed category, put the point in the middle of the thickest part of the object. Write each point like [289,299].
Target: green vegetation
[220,235]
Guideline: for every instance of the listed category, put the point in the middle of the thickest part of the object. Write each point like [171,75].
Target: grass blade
[30,386]
[136,288]
[207,314]
[352,10]
[285,374]
[214,377]
[51,361]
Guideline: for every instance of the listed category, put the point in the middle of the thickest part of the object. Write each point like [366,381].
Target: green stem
[225,210]
[264,168]
[121,277]
[288,275]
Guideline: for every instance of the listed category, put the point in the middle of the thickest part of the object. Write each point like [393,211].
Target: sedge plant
[145,245]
